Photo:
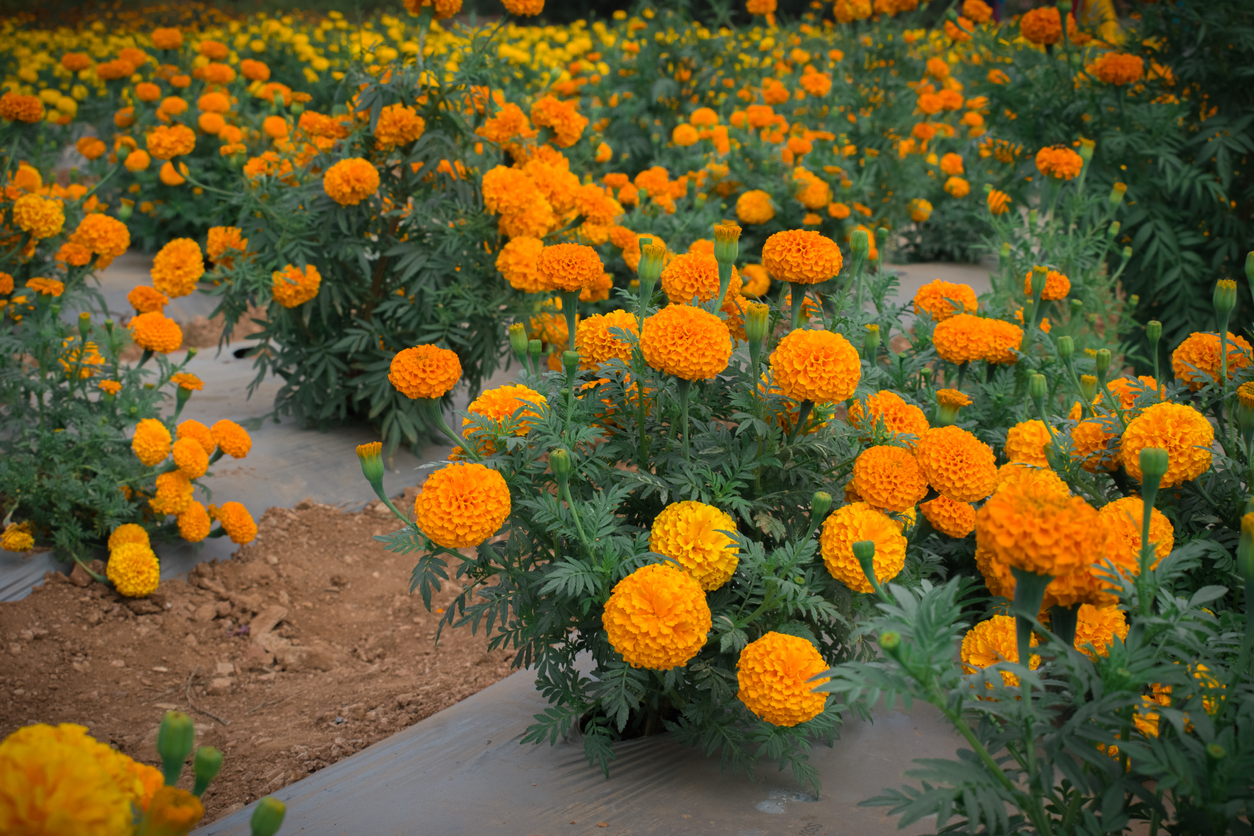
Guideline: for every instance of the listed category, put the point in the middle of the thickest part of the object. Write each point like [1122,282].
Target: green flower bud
[890,640]
[1249,266]
[1127,253]
[1038,387]
[864,551]
[650,268]
[570,361]
[1153,331]
[1077,305]
[1154,464]
[1134,300]
[1116,194]
[84,324]
[108,324]
[1112,231]
[123,152]
[1005,249]
[1088,387]
[559,461]
[534,347]
[371,458]
[1039,277]
[1033,215]
[820,504]
[175,739]
[205,765]
[1225,298]
[871,342]
[757,321]
[192,352]
[518,340]
[268,816]
[1103,362]
[859,242]
[726,242]
[1216,752]
[1066,348]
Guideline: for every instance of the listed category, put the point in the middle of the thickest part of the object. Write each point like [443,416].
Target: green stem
[570,307]
[574,513]
[685,388]
[798,292]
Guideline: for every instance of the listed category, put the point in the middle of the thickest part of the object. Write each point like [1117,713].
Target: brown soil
[302,650]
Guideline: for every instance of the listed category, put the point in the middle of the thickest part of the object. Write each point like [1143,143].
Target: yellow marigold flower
[425,371]
[165,143]
[1096,628]
[46,287]
[1013,473]
[998,202]
[957,464]
[939,299]
[151,442]
[397,125]
[754,207]
[1059,161]
[499,406]
[294,286]
[686,342]
[1026,442]
[1179,429]
[231,438]
[695,275]
[351,181]
[657,617]
[17,538]
[1029,526]
[818,366]
[173,810]
[41,217]
[174,493]
[889,478]
[145,299]
[462,505]
[1042,26]
[156,332]
[801,255]
[596,344]
[851,524]
[1118,68]
[236,522]
[953,519]
[993,642]
[133,570]
[1057,286]
[177,268]
[194,523]
[128,533]
[1245,394]
[549,325]
[775,673]
[963,338]
[1200,352]
[952,398]
[103,235]
[569,267]
[197,431]
[190,457]
[517,262]
[692,533]
[897,416]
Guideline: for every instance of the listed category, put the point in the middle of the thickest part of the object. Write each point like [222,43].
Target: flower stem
[685,388]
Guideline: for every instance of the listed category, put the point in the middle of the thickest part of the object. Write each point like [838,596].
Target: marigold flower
[1122,521]
[128,533]
[17,538]
[293,286]
[1245,394]
[397,125]
[236,521]
[167,142]
[52,782]
[939,299]
[657,617]
[177,267]
[197,431]
[775,673]
[151,442]
[1031,527]
[1179,429]
[462,505]
[133,570]
[517,262]
[686,342]
[957,464]
[225,242]
[14,107]
[801,255]
[952,398]
[562,118]
[998,202]
[898,417]
[819,366]
[994,642]
[105,236]
[351,181]
[754,207]
[155,332]
[146,299]
[425,371]
[190,457]
[1057,286]
[962,338]
[91,147]
[953,519]
[889,478]
[1026,442]
[957,187]
[1059,161]
[695,275]
[45,286]
[1042,26]
[41,217]
[977,11]
[167,38]
[1090,442]
[173,810]
[569,267]
[1096,628]
[1118,68]
[693,534]
[852,524]
[174,493]
[499,406]
[596,344]
[231,438]
[757,282]
[1013,473]
[1201,353]
[1129,390]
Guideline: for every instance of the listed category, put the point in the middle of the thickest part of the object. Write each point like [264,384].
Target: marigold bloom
[686,342]
[952,398]
[293,286]
[693,277]
[190,457]
[231,438]
[775,673]
[197,431]
[993,642]
[757,282]
[801,255]
[569,267]
[1042,26]
[754,207]
[41,217]
[562,118]
[596,344]
[657,617]
[523,8]
[151,442]
[1179,429]
[1090,442]
[425,371]
[889,478]
[17,538]
[45,286]
[462,505]
[1004,340]
[236,521]
[500,406]
[128,533]
[156,332]
[998,202]
[167,38]
[1129,390]
[397,125]
[851,524]
[173,810]
[52,782]
[1122,521]
[224,243]
[1033,528]
[1013,473]
[1118,68]
[133,570]
[177,267]
[1201,353]
[953,519]
[898,417]
[91,147]
[819,366]
[255,70]
[1059,161]
[957,464]
[1026,442]
[138,161]
[1057,286]
[173,495]
[977,11]
[103,235]
[692,533]
[14,107]
[1096,628]
[962,338]
[517,262]
[939,299]
[194,523]
[351,181]
[166,143]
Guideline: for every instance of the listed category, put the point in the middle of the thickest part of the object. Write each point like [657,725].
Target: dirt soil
[302,650]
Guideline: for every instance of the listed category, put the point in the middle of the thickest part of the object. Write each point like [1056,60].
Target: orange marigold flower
[569,267]
[351,181]
[133,570]
[462,505]
[1129,390]
[1059,161]
[174,493]
[801,255]
[940,299]
[190,457]
[231,439]
[293,286]
[686,342]
[963,338]
[563,118]
[852,524]
[46,287]
[225,242]
[236,521]
[889,478]
[166,143]
[173,810]
[517,262]
[1090,442]
[1245,394]
[109,387]
[127,533]
[1200,353]
[151,442]
[596,344]
[199,433]
[1042,26]
[91,147]
[757,282]
[41,217]
[523,8]
[1013,473]
[156,332]
[1057,286]
[1096,628]
[953,519]
[145,299]
[509,191]
[513,408]
[167,38]
[1004,339]
[897,416]
[957,464]
[105,236]
[775,673]
[952,398]
[695,275]
[998,202]
[397,125]
[177,267]
[994,642]
[819,366]
[693,534]
[754,207]
[977,11]
[1118,68]
[1026,442]
[17,538]
[194,523]
[75,61]
[657,617]
[254,70]
[1031,527]
[1122,521]
[1179,429]
[425,371]
[14,107]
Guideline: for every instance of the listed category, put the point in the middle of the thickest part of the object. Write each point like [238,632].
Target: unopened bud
[1005,249]
[268,817]
[1154,464]
[1216,752]
[1127,253]
[1086,145]
[1033,215]
[125,211]
[534,347]
[871,342]
[1077,305]
[757,321]
[726,241]
[1103,362]
[84,324]
[371,458]
[175,738]
[859,242]
[205,766]
[518,340]
[1088,387]
[559,461]
[1117,193]
[570,361]
[890,640]
[820,504]
[1225,298]
[864,551]
[1040,276]
[1249,266]
[1066,348]
[651,256]
[1038,387]
[1112,231]
[1134,300]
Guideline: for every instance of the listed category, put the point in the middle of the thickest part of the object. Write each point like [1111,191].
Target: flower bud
[123,152]
[1066,348]
[108,324]
[864,551]
[890,640]
[1077,305]
[859,242]
[1249,267]
[1154,464]
[1039,277]
[1127,253]
[534,347]
[570,361]
[559,461]
[126,210]
[726,241]
[1103,362]
[1116,194]
[871,342]
[650,267]
[1225,298]
[1134,300]
[757,321]
[1245,411]
[518,340]
[268,817]
[84,324]
[371,458]
[1112,231]
[1216,752]
[1088,387]
[1086,145]
[820,504]
[205,765]
[175,738]
[1033,215]
[1245,549]
[1005,250]
[192,352]
[1038,387]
